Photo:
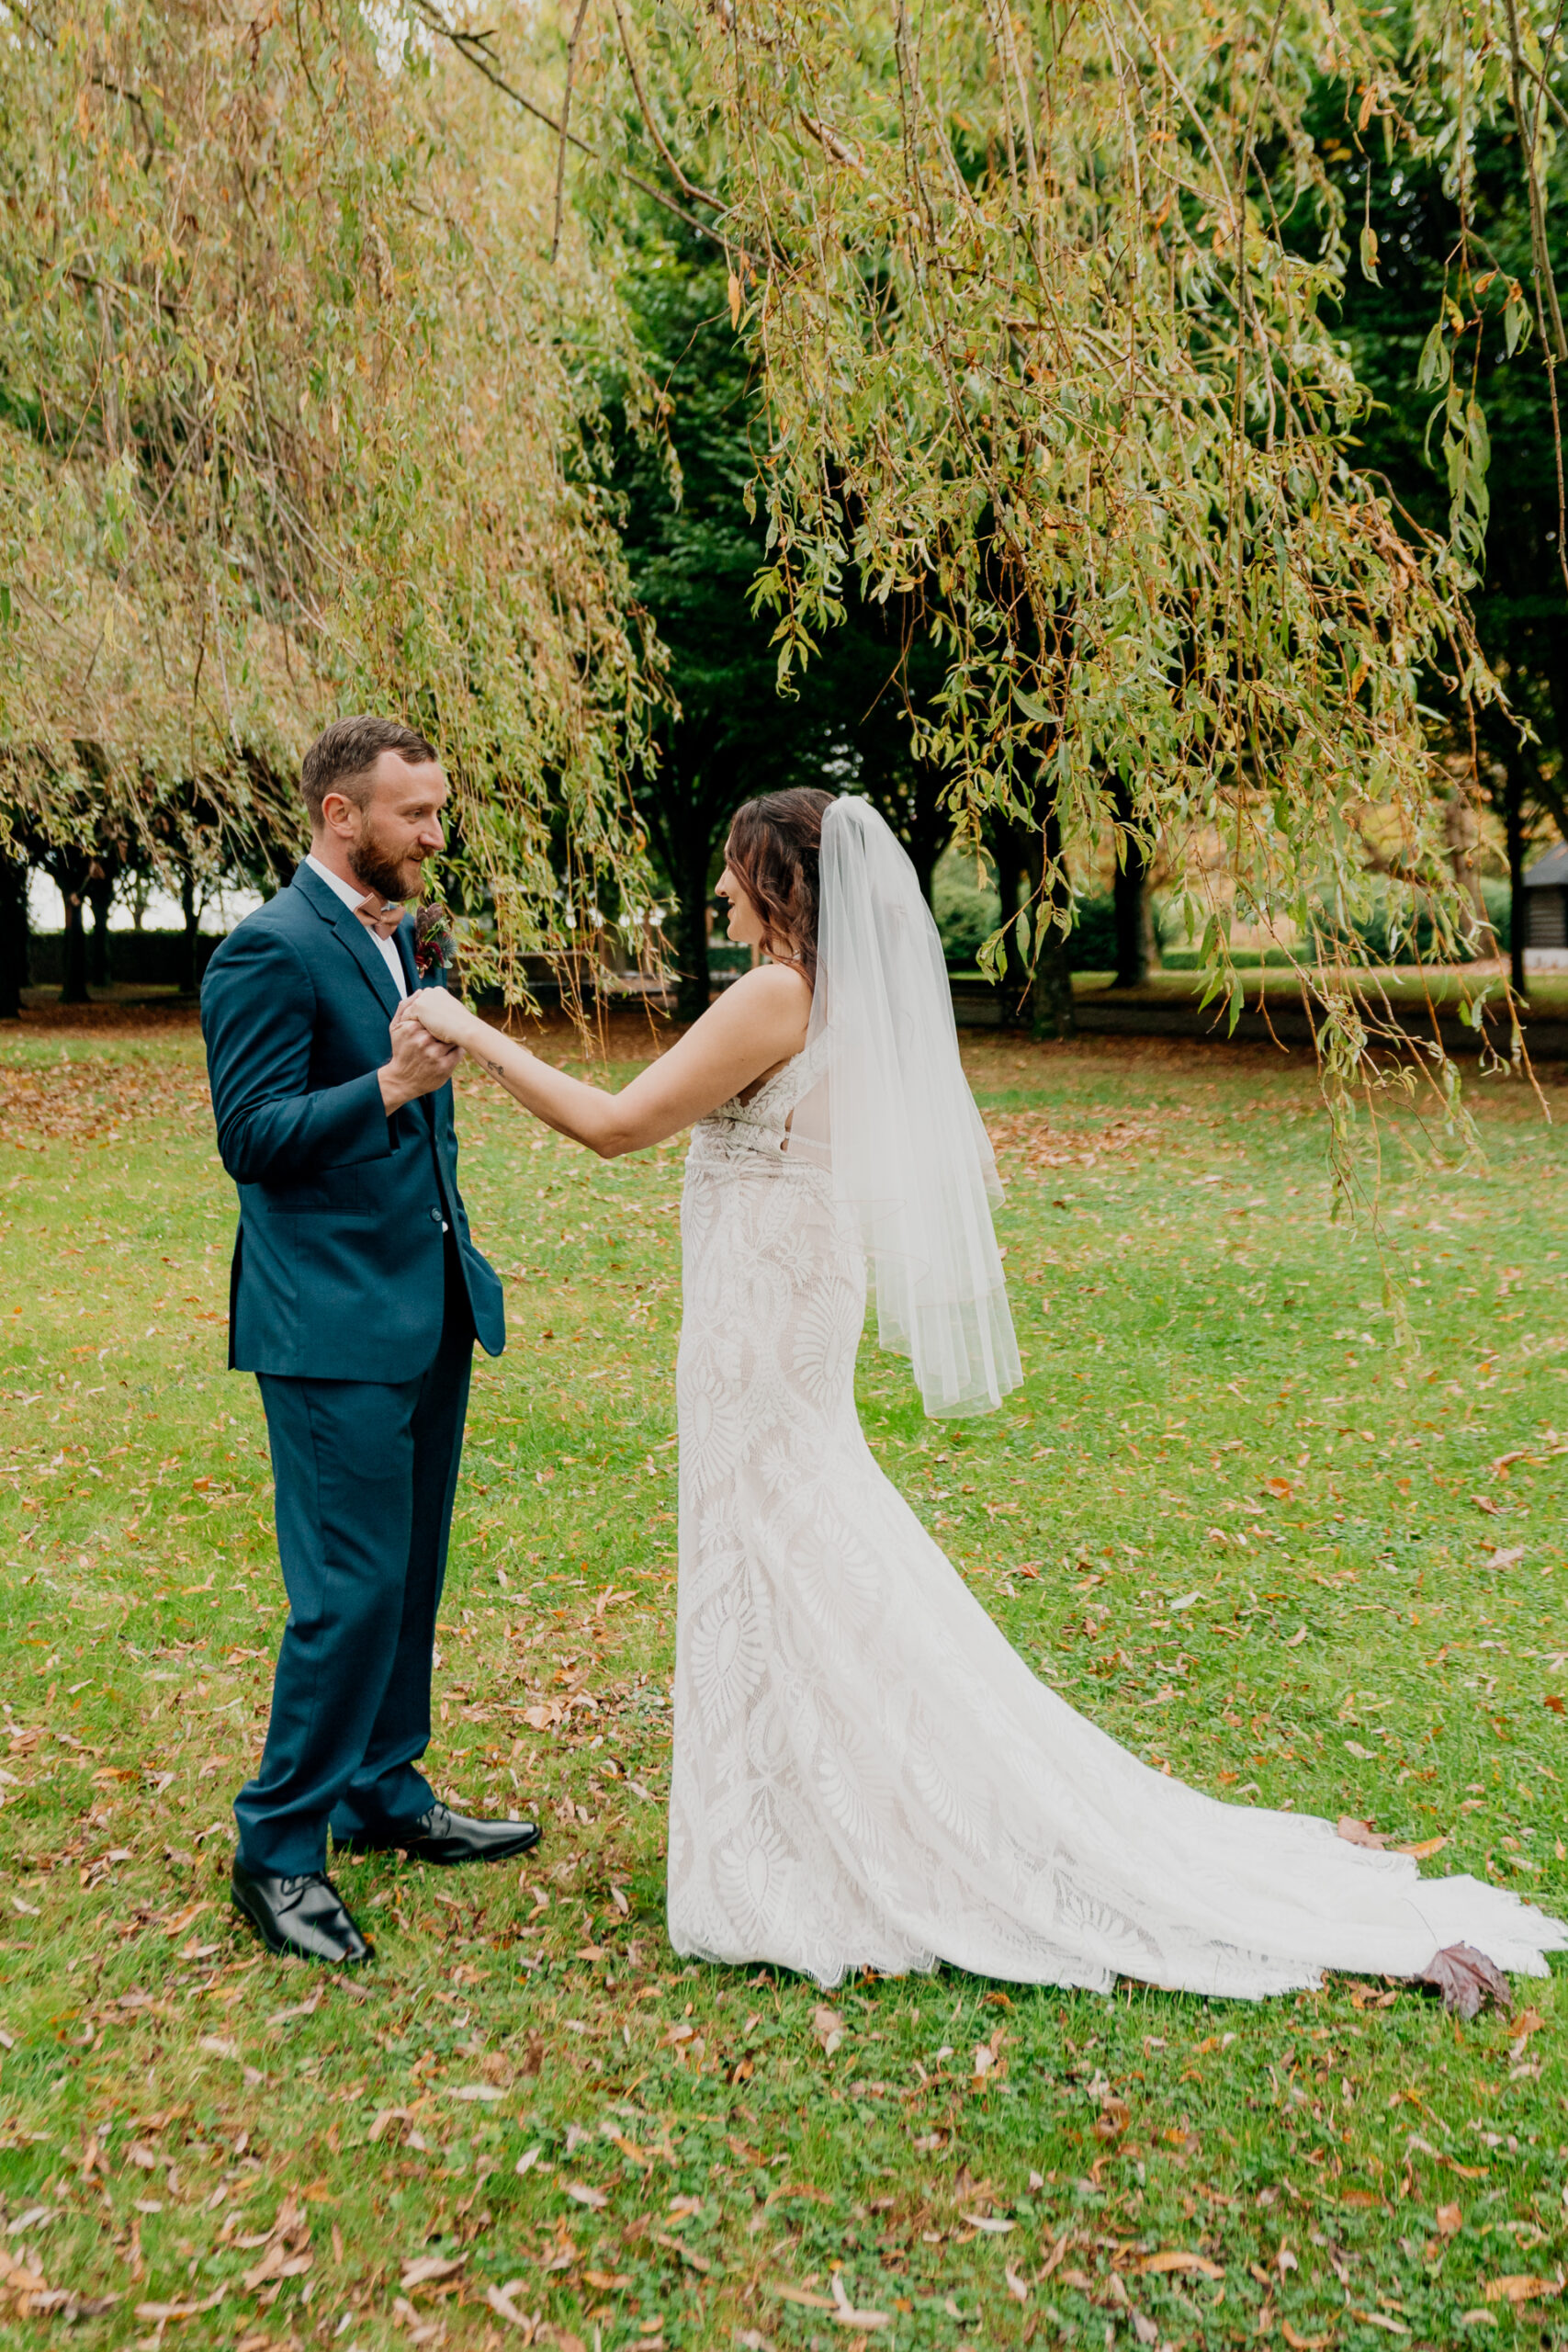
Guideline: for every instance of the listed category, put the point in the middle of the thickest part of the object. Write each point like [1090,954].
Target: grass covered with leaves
[1228,1516]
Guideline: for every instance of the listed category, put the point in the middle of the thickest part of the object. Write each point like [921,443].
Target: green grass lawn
[1407,989]
[1227,1516]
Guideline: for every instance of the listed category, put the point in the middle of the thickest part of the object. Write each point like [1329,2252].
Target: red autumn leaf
[1466,1980]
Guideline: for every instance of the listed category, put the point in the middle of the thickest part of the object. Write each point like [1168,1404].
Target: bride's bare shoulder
[778,990]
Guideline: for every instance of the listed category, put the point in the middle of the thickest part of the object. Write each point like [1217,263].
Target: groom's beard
[375,869]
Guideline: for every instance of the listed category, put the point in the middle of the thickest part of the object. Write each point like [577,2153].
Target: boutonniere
[434,944]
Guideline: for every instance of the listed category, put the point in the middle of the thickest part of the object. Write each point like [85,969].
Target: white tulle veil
[892,1118]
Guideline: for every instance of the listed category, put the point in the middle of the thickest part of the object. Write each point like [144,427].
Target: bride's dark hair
[774,850]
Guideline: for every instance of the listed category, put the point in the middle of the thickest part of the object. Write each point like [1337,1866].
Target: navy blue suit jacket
[339,1267]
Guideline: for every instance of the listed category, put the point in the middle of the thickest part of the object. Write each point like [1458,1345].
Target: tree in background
[1464,432]
[295,416]
[1042,358]
[695,544]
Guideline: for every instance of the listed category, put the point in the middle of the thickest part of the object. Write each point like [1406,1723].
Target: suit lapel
[355,937]
[403,938]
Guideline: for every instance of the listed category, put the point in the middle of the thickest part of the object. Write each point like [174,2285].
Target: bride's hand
[440,1013]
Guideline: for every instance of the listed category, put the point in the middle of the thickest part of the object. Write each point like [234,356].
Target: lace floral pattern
[865,1773]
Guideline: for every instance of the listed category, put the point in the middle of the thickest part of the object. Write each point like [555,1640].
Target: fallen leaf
[1555,1703]
[1016,2287]
[425,2267]
[1519,2289]
[985,2222]
[476,2090]
[607,2281]
[1426,1846]
[161,2314]
[692,2261]
[1466,1980]
[500,2302]
[829,2028]
[1449,2217]
[581,2194]
[527,2160]
[799,2295]
[1380,2319]
[1303,2342]
[847,2315]
[1361,1833]
[1161,2264]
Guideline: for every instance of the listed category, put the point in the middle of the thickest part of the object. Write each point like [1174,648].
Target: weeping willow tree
[1043,302]
[297,417]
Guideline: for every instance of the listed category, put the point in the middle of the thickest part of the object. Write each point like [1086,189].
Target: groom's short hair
[343,756]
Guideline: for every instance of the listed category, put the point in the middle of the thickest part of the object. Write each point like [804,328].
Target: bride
[865,1774]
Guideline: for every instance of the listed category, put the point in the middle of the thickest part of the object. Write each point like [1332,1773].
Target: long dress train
[865,1772]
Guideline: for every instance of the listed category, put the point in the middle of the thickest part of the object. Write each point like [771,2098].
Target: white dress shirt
[352,897]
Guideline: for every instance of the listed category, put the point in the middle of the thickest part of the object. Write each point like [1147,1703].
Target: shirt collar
[344,890]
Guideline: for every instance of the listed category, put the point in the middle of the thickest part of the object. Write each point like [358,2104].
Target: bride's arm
[757,1023]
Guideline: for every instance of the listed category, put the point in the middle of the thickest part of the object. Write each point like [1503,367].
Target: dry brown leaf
[1449,2217]
[424,2268]
[846,2313]
[1466,1980]
[1361,1833]
[829,2028]
[1166,2263]
[1520,2288]
[1303,2342]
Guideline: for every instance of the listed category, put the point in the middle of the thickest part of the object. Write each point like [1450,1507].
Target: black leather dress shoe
[305,1916]
[448,1837]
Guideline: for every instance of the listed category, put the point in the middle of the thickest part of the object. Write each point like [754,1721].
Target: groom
[355,1299]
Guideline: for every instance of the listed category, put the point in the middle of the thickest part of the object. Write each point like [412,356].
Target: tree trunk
[691,924]
[13,936]
[1006,842]
[100,891]
[73,977]
[187,943]
[1052,1007]
[1129,891]
[1037,989]
[1514,826]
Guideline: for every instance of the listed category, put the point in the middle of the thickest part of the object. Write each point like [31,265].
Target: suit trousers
[365,1473]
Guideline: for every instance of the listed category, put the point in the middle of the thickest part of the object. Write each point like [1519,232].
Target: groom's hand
[420,1062]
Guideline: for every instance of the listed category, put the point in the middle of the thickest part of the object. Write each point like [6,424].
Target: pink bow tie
[383,920]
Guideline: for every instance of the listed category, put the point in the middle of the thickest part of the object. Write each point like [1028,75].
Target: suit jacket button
[437,1217]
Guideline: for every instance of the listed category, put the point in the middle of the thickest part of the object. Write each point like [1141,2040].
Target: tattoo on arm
[494,1068]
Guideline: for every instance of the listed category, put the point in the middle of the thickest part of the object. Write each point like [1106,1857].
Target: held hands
[438,1011]
[421,1062]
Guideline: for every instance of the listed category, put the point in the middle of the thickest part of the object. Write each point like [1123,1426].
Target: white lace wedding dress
[865,1773]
